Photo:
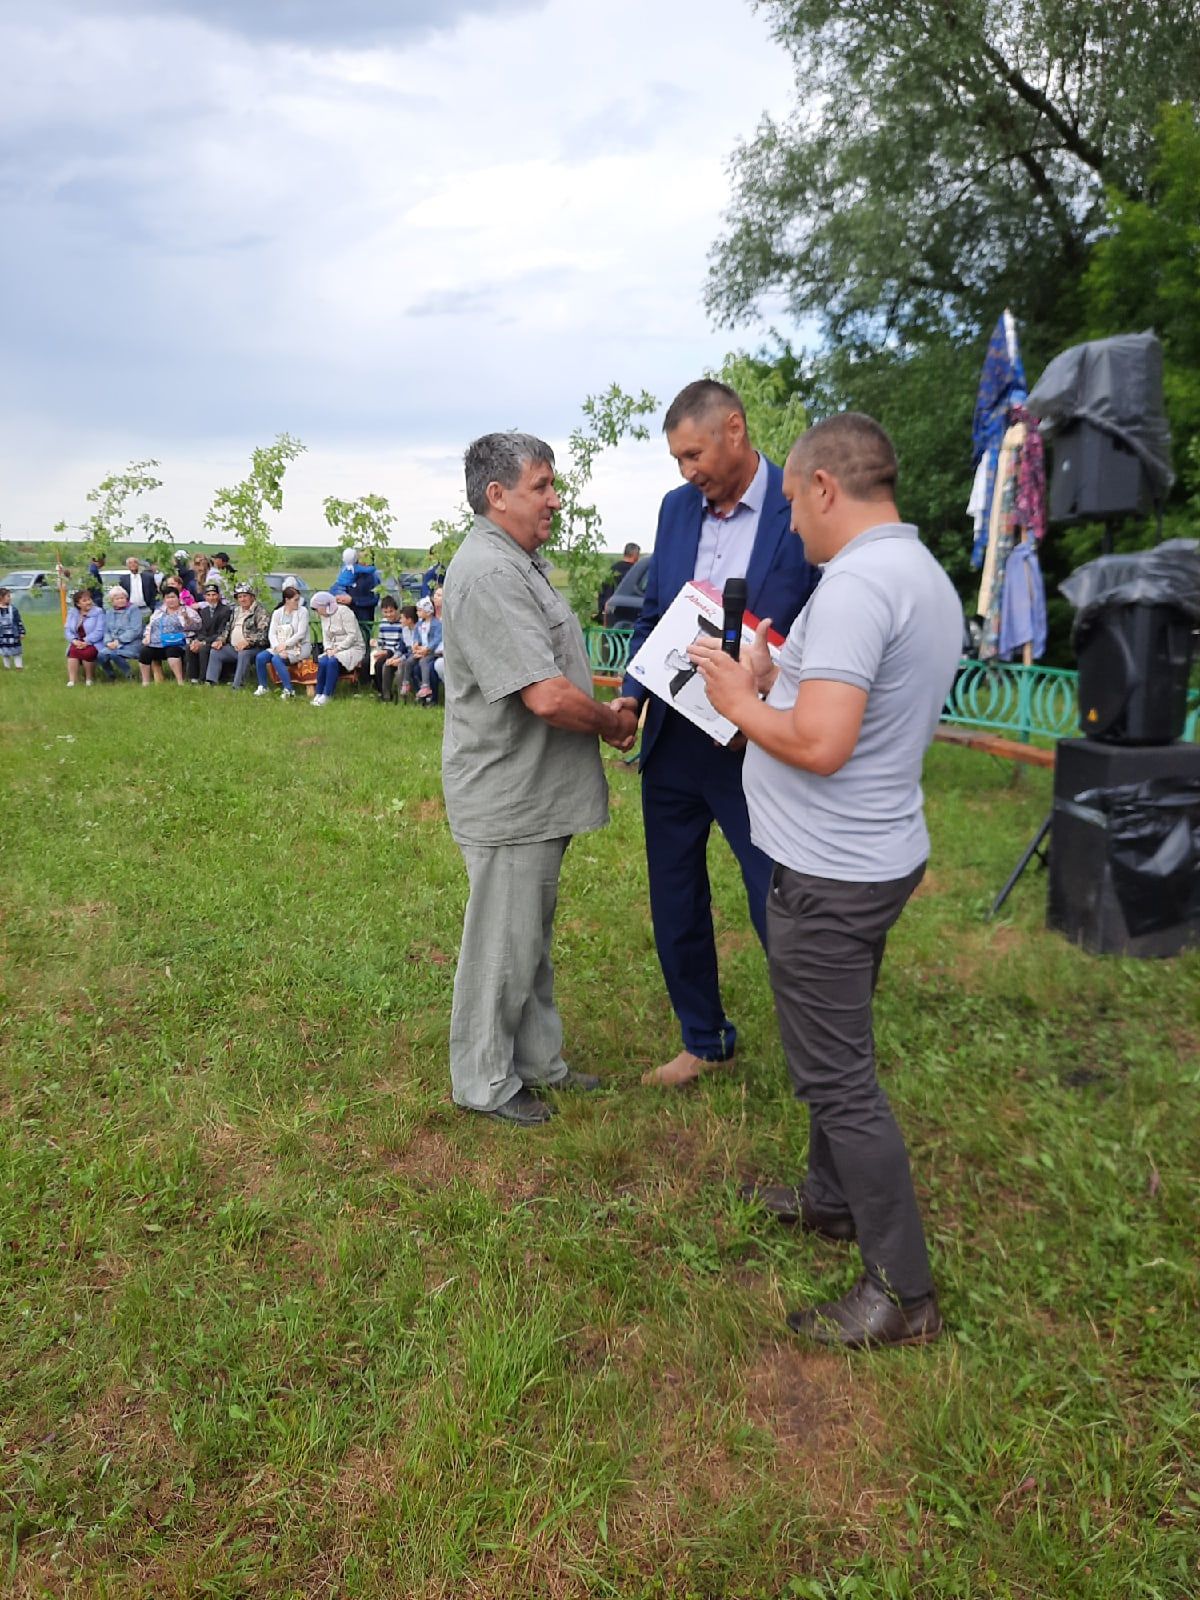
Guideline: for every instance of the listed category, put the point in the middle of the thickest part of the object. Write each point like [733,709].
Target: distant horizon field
[303,557]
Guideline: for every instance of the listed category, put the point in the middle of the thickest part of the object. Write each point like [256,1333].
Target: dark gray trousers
[825,943]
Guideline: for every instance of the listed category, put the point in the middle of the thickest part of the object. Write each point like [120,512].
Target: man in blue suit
[729,520]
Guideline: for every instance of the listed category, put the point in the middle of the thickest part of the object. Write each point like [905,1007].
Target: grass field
[278,1321]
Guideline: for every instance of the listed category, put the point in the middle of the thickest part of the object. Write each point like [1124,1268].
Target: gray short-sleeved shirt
[508,776]
[885,618]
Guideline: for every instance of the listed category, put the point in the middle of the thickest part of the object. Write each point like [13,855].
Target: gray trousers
[825,943]
[243,660]
[504,1028]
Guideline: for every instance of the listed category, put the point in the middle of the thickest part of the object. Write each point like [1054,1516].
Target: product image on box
[663,664]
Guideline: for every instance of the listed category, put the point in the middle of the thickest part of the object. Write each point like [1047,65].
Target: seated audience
[12,631]
[166,636]
[85,634]
[186,597]
[389,649]
[427,647]
[287,642]
[122,635]
[342,645]
[408,634]
[247,636]
[215,620]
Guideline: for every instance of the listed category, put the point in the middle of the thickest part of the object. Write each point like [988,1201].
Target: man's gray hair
[500,458]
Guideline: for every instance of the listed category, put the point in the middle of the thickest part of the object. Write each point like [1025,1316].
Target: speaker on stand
[1102,415]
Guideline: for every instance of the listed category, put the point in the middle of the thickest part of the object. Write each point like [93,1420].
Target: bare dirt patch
[432,1160]
[821,1413]
[234,1160]
[431,810]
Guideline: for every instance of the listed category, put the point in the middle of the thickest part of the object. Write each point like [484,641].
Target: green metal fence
[1006,698]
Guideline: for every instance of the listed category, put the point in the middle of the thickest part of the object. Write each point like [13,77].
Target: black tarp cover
[1166,575]
[1115,384]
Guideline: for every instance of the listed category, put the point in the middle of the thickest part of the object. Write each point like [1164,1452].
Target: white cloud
[384,244]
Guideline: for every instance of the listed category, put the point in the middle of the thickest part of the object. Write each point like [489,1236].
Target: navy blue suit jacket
[778,580]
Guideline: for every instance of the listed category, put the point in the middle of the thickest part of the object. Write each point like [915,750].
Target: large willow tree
[945,157]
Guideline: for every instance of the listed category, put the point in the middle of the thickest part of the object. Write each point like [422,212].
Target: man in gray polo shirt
[833,787]
[521,773]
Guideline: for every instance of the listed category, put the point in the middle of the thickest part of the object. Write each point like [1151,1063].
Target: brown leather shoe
[867,1318]
[788,1204]
[685,1068]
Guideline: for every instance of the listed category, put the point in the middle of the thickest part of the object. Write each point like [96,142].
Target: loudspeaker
[1094,476]
[1083,903]
[1134,662]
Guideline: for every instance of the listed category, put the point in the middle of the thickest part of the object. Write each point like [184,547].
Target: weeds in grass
[278,1320]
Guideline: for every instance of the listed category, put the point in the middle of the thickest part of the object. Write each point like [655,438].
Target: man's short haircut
[852,448]
[633,549]
[698,401]
[500,458]
[390,600]
[7,593]
[410,612]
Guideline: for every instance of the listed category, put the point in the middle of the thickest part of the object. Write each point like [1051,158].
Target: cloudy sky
[384,226]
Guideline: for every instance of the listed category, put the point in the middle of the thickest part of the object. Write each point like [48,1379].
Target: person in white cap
[426,652]
[342,645]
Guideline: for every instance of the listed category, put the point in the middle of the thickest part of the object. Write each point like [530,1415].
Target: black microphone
[735,608]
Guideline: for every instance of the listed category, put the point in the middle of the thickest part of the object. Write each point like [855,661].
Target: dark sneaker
[789,1204]
[584,1082]
[525,1109]
[867,1318]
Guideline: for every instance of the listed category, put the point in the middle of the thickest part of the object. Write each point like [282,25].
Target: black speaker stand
[1036,847]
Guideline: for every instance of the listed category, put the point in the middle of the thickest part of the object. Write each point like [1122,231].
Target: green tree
[447,533]
[236,513]
[1145,272]
[946,158]
[575,541]
[775,411]
[367,523]
[111,521]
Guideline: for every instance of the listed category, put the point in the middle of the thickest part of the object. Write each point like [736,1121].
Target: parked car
[624,605]
[32,590]
[276,580]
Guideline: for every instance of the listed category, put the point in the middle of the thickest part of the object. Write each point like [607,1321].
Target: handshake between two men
[821,804]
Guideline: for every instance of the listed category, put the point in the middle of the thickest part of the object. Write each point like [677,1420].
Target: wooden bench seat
[992,744]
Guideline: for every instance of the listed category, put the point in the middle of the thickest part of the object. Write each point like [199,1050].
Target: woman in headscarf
[342,645]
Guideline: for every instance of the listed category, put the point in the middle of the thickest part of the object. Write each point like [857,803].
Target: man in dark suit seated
[729,520]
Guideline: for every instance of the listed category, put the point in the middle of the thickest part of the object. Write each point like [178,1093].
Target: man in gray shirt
[833,787]
[521,774]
